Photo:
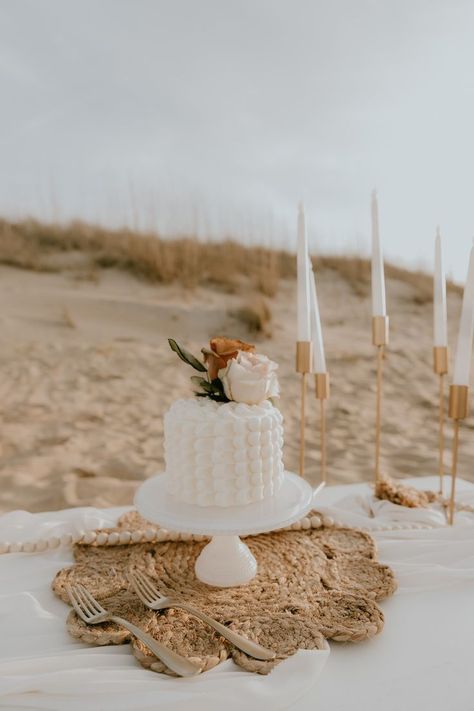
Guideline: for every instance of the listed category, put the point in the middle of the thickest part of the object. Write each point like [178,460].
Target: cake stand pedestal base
[225,561]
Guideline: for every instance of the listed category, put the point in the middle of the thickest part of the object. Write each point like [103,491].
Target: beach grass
[227,265]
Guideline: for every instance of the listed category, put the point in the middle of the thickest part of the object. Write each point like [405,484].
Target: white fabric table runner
[423,658]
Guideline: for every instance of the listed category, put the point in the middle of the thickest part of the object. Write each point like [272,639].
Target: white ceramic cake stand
[226,560]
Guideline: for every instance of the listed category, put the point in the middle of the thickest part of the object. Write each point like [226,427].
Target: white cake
[223,454]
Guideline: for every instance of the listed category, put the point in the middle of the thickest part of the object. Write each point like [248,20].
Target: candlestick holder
[304,355]
[321,381]
[458,410]
[440,367]
[380,340]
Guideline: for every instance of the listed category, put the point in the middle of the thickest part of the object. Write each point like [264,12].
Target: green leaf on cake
[213,390]
[186,357]
[204,384]
[218,387]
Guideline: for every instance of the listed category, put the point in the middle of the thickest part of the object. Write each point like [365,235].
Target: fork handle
[180,665]
[246,645]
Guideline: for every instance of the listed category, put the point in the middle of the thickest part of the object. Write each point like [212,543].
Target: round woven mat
[311,585]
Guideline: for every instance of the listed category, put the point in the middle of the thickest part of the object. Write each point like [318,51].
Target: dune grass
[227,265]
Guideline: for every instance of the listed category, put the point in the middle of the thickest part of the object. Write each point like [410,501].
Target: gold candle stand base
[380,330]
[458,410]
[321,381]
[304,356]
[440,360]
[458,402]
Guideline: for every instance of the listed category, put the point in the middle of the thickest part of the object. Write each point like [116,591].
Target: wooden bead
[149,534]
[4,547]
[125,537]
[66,539]
[28,547]
[305,523]
[113,538]
[137,536]
[161,534]
[53,542]
[41,545]
[89,537]
[15,547]
[102,539]
[315,521]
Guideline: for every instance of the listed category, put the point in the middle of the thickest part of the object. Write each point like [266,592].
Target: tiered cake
[224,447]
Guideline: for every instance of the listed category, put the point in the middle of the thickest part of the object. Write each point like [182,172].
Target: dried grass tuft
[255,315]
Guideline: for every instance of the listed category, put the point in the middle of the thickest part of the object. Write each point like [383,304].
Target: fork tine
[96,606]
[149,585]
[142,593]
[148,588]
[84,603]
[80,591]
[139,593]
[143,579]
[76,603]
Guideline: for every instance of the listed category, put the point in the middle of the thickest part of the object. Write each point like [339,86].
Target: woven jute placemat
[311,585]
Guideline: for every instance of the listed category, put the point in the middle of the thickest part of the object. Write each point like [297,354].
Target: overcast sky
[220,115]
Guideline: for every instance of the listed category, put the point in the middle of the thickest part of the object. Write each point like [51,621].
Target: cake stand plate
[226,561]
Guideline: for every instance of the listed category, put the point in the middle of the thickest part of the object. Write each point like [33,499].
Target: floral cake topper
[232,371]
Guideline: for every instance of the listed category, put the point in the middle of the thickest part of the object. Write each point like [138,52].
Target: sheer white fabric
[423,656]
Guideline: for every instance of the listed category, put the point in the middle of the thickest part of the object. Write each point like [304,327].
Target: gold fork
[153,599]
[93,613]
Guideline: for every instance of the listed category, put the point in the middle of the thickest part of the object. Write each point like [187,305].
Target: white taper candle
[319,361]
[302,271]
[440,323]
[462,362]
[378,279]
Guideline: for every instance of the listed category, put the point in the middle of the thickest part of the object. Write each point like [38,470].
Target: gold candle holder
[440,367]
[458,410]
[321,381]
[304,355]
[380,340]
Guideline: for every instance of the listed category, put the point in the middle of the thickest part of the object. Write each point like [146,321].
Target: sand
[86,375]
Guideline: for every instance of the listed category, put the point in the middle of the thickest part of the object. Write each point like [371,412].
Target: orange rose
[220,351]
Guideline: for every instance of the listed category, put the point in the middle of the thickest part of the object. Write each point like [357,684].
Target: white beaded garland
[28,547]
[159,535]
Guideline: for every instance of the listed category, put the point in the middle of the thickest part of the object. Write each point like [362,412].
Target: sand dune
[86,375]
